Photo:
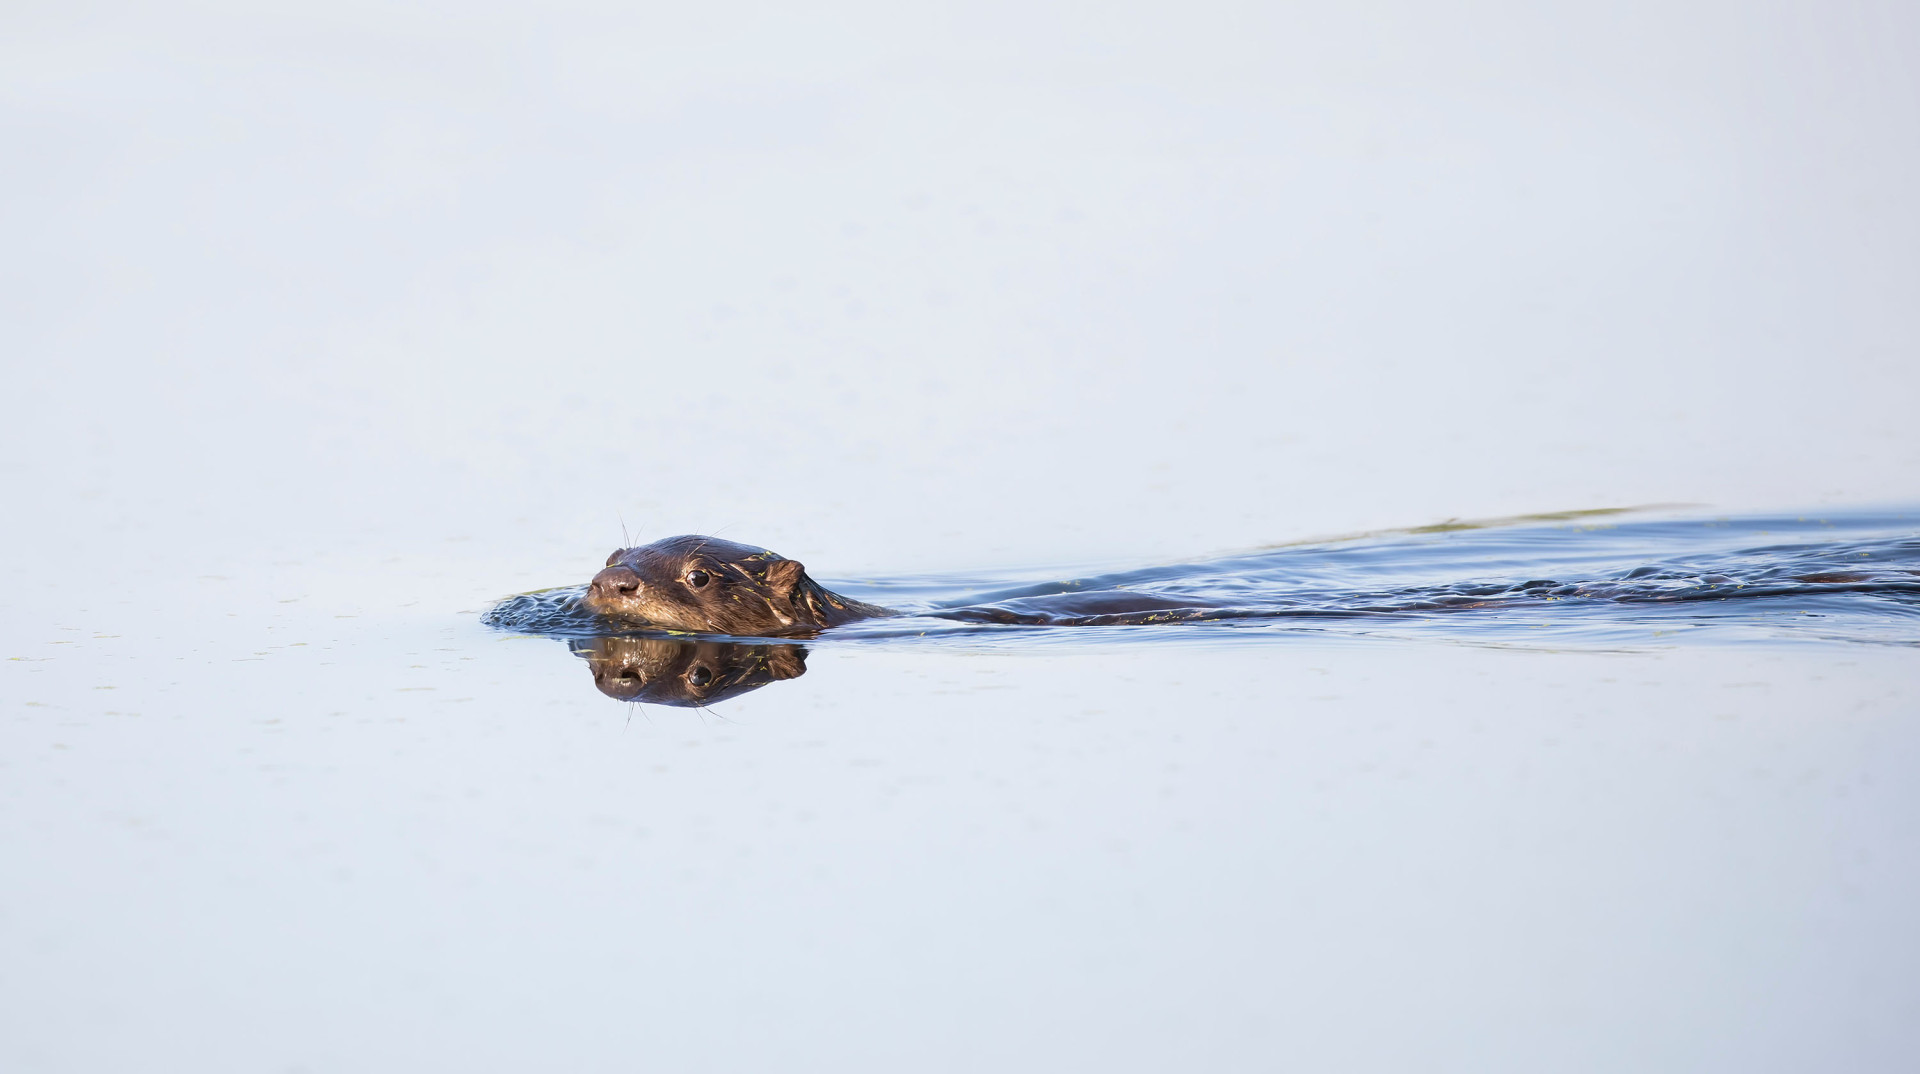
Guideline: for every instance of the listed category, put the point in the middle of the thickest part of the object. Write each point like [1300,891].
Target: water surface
[328,326]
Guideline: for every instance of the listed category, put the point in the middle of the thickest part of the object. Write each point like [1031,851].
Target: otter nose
[616,582]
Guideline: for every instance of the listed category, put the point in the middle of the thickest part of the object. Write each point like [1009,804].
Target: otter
[708,586]
[703,585]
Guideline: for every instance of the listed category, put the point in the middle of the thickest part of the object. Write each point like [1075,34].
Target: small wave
[554,612]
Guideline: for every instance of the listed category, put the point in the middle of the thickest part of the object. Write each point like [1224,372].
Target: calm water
[327,327]
[402,839]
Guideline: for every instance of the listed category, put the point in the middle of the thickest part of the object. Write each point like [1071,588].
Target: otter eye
[699,675]
[697,578]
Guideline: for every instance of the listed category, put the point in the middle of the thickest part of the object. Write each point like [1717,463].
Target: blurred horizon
[998,284]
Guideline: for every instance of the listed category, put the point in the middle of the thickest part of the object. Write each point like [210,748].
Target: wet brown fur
[748,591]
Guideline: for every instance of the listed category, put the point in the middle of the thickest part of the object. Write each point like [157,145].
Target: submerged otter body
[704,585]
[1867,569]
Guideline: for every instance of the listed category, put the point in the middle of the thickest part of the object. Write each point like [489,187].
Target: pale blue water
[326,326]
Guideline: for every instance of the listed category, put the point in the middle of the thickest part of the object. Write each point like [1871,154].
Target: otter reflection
[685,672]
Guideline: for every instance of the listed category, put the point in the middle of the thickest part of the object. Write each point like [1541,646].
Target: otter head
[705,586]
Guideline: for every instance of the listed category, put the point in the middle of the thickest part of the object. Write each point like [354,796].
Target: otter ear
[787,662]
[615,556]
[783,575]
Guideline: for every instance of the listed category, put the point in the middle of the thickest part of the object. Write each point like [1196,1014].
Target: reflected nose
[616,582]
